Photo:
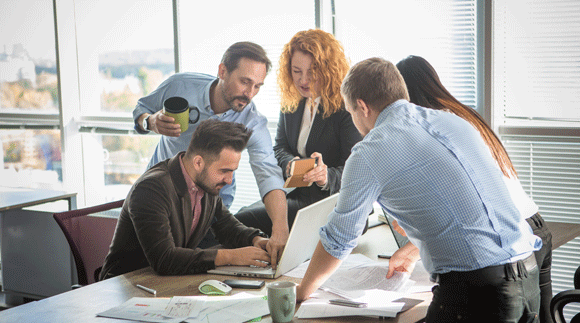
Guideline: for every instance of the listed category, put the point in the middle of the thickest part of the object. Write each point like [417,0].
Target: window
[442,32]
[31,158]
[125,58]
[537,62]
[536,95]
[205,38]
[29,105]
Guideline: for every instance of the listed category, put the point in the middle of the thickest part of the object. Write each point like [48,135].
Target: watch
[145,124]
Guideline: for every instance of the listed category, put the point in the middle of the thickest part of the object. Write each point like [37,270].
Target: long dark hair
[425,89]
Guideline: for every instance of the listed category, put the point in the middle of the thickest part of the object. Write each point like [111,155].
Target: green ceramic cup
[178,108]
[282,300]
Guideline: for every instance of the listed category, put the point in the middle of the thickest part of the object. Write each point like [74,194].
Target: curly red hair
[329,67]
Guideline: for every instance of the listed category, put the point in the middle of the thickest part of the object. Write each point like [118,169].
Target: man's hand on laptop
[246,256]
[276,245]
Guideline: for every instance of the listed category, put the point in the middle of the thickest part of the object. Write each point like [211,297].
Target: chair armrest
[560,300]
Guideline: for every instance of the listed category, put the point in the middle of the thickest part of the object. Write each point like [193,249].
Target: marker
[152,291]
[347,302]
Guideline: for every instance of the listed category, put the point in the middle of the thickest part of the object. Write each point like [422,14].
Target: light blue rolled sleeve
[358,192]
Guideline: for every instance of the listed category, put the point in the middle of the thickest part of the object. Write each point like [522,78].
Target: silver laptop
[301,243]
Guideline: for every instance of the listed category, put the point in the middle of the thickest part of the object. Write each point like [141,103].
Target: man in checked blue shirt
[228,97]
[433,172]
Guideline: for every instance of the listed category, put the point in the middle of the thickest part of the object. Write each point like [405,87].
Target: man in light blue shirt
[433,172]
[228,97]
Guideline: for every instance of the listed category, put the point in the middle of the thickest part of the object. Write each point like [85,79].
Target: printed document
[240,307]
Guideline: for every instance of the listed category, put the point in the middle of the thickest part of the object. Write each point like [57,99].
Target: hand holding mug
[164,125]
[175,117]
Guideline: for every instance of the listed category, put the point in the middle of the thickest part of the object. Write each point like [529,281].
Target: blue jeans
[505,293]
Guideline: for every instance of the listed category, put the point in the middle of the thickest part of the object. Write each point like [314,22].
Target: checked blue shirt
[433,172]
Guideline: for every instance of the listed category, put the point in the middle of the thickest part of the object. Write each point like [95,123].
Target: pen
[152,291]
[384,256]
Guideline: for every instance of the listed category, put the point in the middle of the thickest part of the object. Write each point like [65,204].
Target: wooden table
[82,305]
[36,258]
[563,232]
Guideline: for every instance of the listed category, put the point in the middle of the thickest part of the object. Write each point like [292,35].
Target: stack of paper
[240,307]
[354,282]
[380,303]
[360,279]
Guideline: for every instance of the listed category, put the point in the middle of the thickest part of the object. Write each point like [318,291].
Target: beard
[205,185]
[230,101]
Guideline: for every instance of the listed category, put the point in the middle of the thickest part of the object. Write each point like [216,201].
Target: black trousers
[504,293]
[544,260]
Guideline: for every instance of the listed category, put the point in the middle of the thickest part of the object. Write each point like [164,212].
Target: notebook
[300,246]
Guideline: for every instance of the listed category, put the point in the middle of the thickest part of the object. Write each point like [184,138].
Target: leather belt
[492,274]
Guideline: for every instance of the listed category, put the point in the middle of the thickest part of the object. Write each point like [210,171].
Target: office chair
[89,237]
[564,298]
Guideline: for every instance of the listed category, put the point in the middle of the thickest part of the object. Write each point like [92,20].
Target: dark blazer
[333,137]
[155,222]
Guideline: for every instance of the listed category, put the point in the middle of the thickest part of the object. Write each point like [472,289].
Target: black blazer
[333,137]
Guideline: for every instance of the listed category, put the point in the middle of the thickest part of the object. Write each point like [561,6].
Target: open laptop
[399,238]
[300,246]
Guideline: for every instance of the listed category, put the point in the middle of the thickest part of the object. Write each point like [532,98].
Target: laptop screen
[399,238]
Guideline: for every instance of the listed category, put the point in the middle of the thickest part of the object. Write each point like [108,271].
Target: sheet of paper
[145,309]
[313,308]
[353,260]
[240,308]
[353,282]
[185,306]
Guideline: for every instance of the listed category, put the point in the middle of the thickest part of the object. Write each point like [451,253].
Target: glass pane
[126,56]
[442,32]
[113,163]
[31,158]
[536,60]
[267,23]
[28,80]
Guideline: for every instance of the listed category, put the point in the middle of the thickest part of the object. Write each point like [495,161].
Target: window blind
[443,32]
[549,170]
[537,60]
[536,90]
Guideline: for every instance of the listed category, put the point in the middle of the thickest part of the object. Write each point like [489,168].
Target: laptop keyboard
[267,267]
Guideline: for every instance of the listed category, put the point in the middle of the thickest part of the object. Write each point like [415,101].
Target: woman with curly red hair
[313,121]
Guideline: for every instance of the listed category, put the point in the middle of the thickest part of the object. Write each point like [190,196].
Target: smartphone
[346,302]
[250,284]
